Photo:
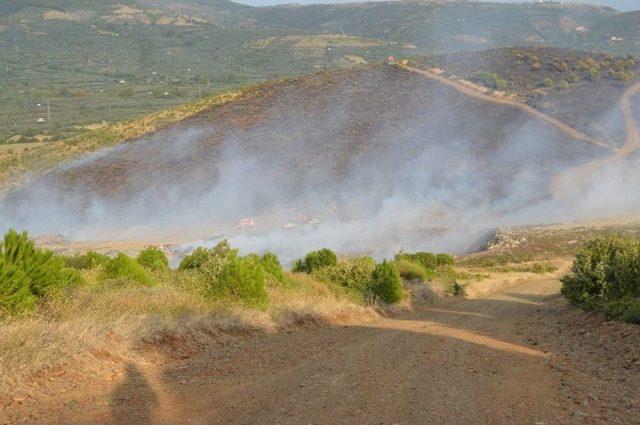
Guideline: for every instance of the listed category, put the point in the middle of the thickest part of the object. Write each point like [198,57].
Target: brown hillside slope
[351,137]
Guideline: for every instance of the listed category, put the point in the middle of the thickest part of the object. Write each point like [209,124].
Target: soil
[521,356]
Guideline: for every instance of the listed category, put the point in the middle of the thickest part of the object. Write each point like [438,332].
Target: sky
[624,5]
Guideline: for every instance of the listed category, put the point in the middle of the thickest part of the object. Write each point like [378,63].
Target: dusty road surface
[522,356]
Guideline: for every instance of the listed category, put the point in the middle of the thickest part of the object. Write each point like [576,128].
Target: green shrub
[427,260]
[152,258]
[632,313]
[242,279]
[86,261]
[200,256]
[386,284]
[355,274]
[490,80]
[444,260]
[412,270]
[316,260]
[605,276]
[272,267]
[28,274]
[547,82]
[124,267]
[605,269]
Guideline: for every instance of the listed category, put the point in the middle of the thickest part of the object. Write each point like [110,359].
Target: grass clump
[605,277]
[315,260]
[124,268]
[29,274]
[154,259]
[457,289]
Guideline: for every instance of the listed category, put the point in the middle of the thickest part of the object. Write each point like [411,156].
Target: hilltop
[96,61]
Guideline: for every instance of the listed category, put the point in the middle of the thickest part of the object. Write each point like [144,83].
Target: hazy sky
[618,4]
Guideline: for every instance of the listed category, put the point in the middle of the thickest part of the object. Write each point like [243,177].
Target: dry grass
[93,324]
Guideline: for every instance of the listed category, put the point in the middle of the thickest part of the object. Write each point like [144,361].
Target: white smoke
[433,179]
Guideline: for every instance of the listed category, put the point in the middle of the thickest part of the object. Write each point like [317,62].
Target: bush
[152,258]
[594,73]
[124,267]
[386,284]
[632,313]
[444,260]
[86,261]
[426,259]
[28,274]
[411,270]
[457,289]
[490,80]
[547,82]
[605,275]
[242,279]
[356,274]
[200,256]
[272,267]
[316,260]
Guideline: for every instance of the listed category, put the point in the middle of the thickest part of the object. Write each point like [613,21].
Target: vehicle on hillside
[244,223]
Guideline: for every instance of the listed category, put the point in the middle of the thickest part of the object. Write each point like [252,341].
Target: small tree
[28,274]
[272,267]
[152,258]
[316,260]
[201,255]
[387,285]
[242,279]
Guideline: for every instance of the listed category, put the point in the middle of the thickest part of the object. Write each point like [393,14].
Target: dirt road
[468,91]
[510,358]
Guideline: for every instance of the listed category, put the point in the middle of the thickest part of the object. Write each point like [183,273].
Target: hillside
[372,147]
[572,76]
[93,61]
